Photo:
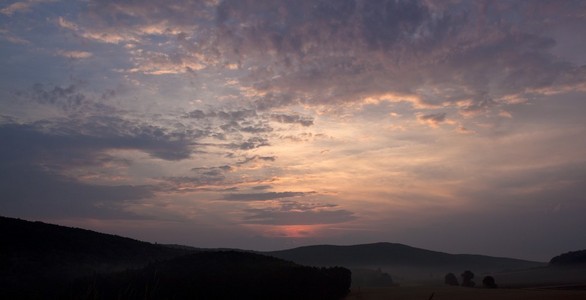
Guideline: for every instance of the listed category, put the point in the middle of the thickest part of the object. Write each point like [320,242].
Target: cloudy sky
[449,125]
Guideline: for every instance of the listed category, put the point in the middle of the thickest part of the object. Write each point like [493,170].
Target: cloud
[297,213]
[249,144]
[31,192]
[233,121]
[432,120]
[63,23]
[261,187]
[256,158]
[70,99]
[7,35]
[191,183]
[292,119]
[75,54]
[32,183]
[22,6]
[264,196]
[72,140]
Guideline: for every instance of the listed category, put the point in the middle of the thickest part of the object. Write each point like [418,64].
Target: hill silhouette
[571,258]
[45,261]
[399,259]
[37,259]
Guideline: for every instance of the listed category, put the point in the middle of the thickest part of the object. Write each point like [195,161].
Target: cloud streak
[264,196]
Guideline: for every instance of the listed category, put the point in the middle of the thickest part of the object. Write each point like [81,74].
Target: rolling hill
[52,257]
[401,260]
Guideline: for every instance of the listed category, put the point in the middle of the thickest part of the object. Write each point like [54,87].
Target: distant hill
[399,259]
[569,259]
[565,271]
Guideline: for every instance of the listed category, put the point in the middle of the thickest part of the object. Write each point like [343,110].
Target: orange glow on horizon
[289,231]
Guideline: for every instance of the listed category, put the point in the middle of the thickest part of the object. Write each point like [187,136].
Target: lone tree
[488,282]
[451,279]
[467,277]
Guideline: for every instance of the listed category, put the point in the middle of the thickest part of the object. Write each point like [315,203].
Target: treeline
[569,258]
[467,280]
[217,275]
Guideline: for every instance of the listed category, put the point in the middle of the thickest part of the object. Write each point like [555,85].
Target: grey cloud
[253,128]
[298,213]
[261,187]
[65,141]
[256,158]
[30,191]
[31,183]
[237,115]
[292,119]
[70,99]
[196,114]
[302,137]
[94,126]
[264,196]
[432,119]
[250,143]
[217,172]
[187,183]
[244,120]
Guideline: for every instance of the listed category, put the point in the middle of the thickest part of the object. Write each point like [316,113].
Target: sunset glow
[450,125]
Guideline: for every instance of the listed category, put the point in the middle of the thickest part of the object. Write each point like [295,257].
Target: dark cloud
[211,174]
[249,144]
[261,187]
[292,119]
[32,192]
[432,119]
[264,196]
[35,158]
[70,99]
[31,183]
[236,121]
[95,134]
[256,158]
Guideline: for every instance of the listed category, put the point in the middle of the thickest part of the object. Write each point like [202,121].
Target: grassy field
[457,293]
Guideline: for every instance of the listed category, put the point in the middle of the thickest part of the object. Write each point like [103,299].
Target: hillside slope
[398,256]
[45,261]
[36,257]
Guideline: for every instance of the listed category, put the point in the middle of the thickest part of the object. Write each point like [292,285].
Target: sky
[449,125]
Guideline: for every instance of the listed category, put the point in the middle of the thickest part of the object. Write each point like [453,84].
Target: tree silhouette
[451,279]
[467,277]
[489,283]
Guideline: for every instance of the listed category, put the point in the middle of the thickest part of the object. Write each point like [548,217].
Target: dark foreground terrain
[217,275]
[461,293]
[44,261]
